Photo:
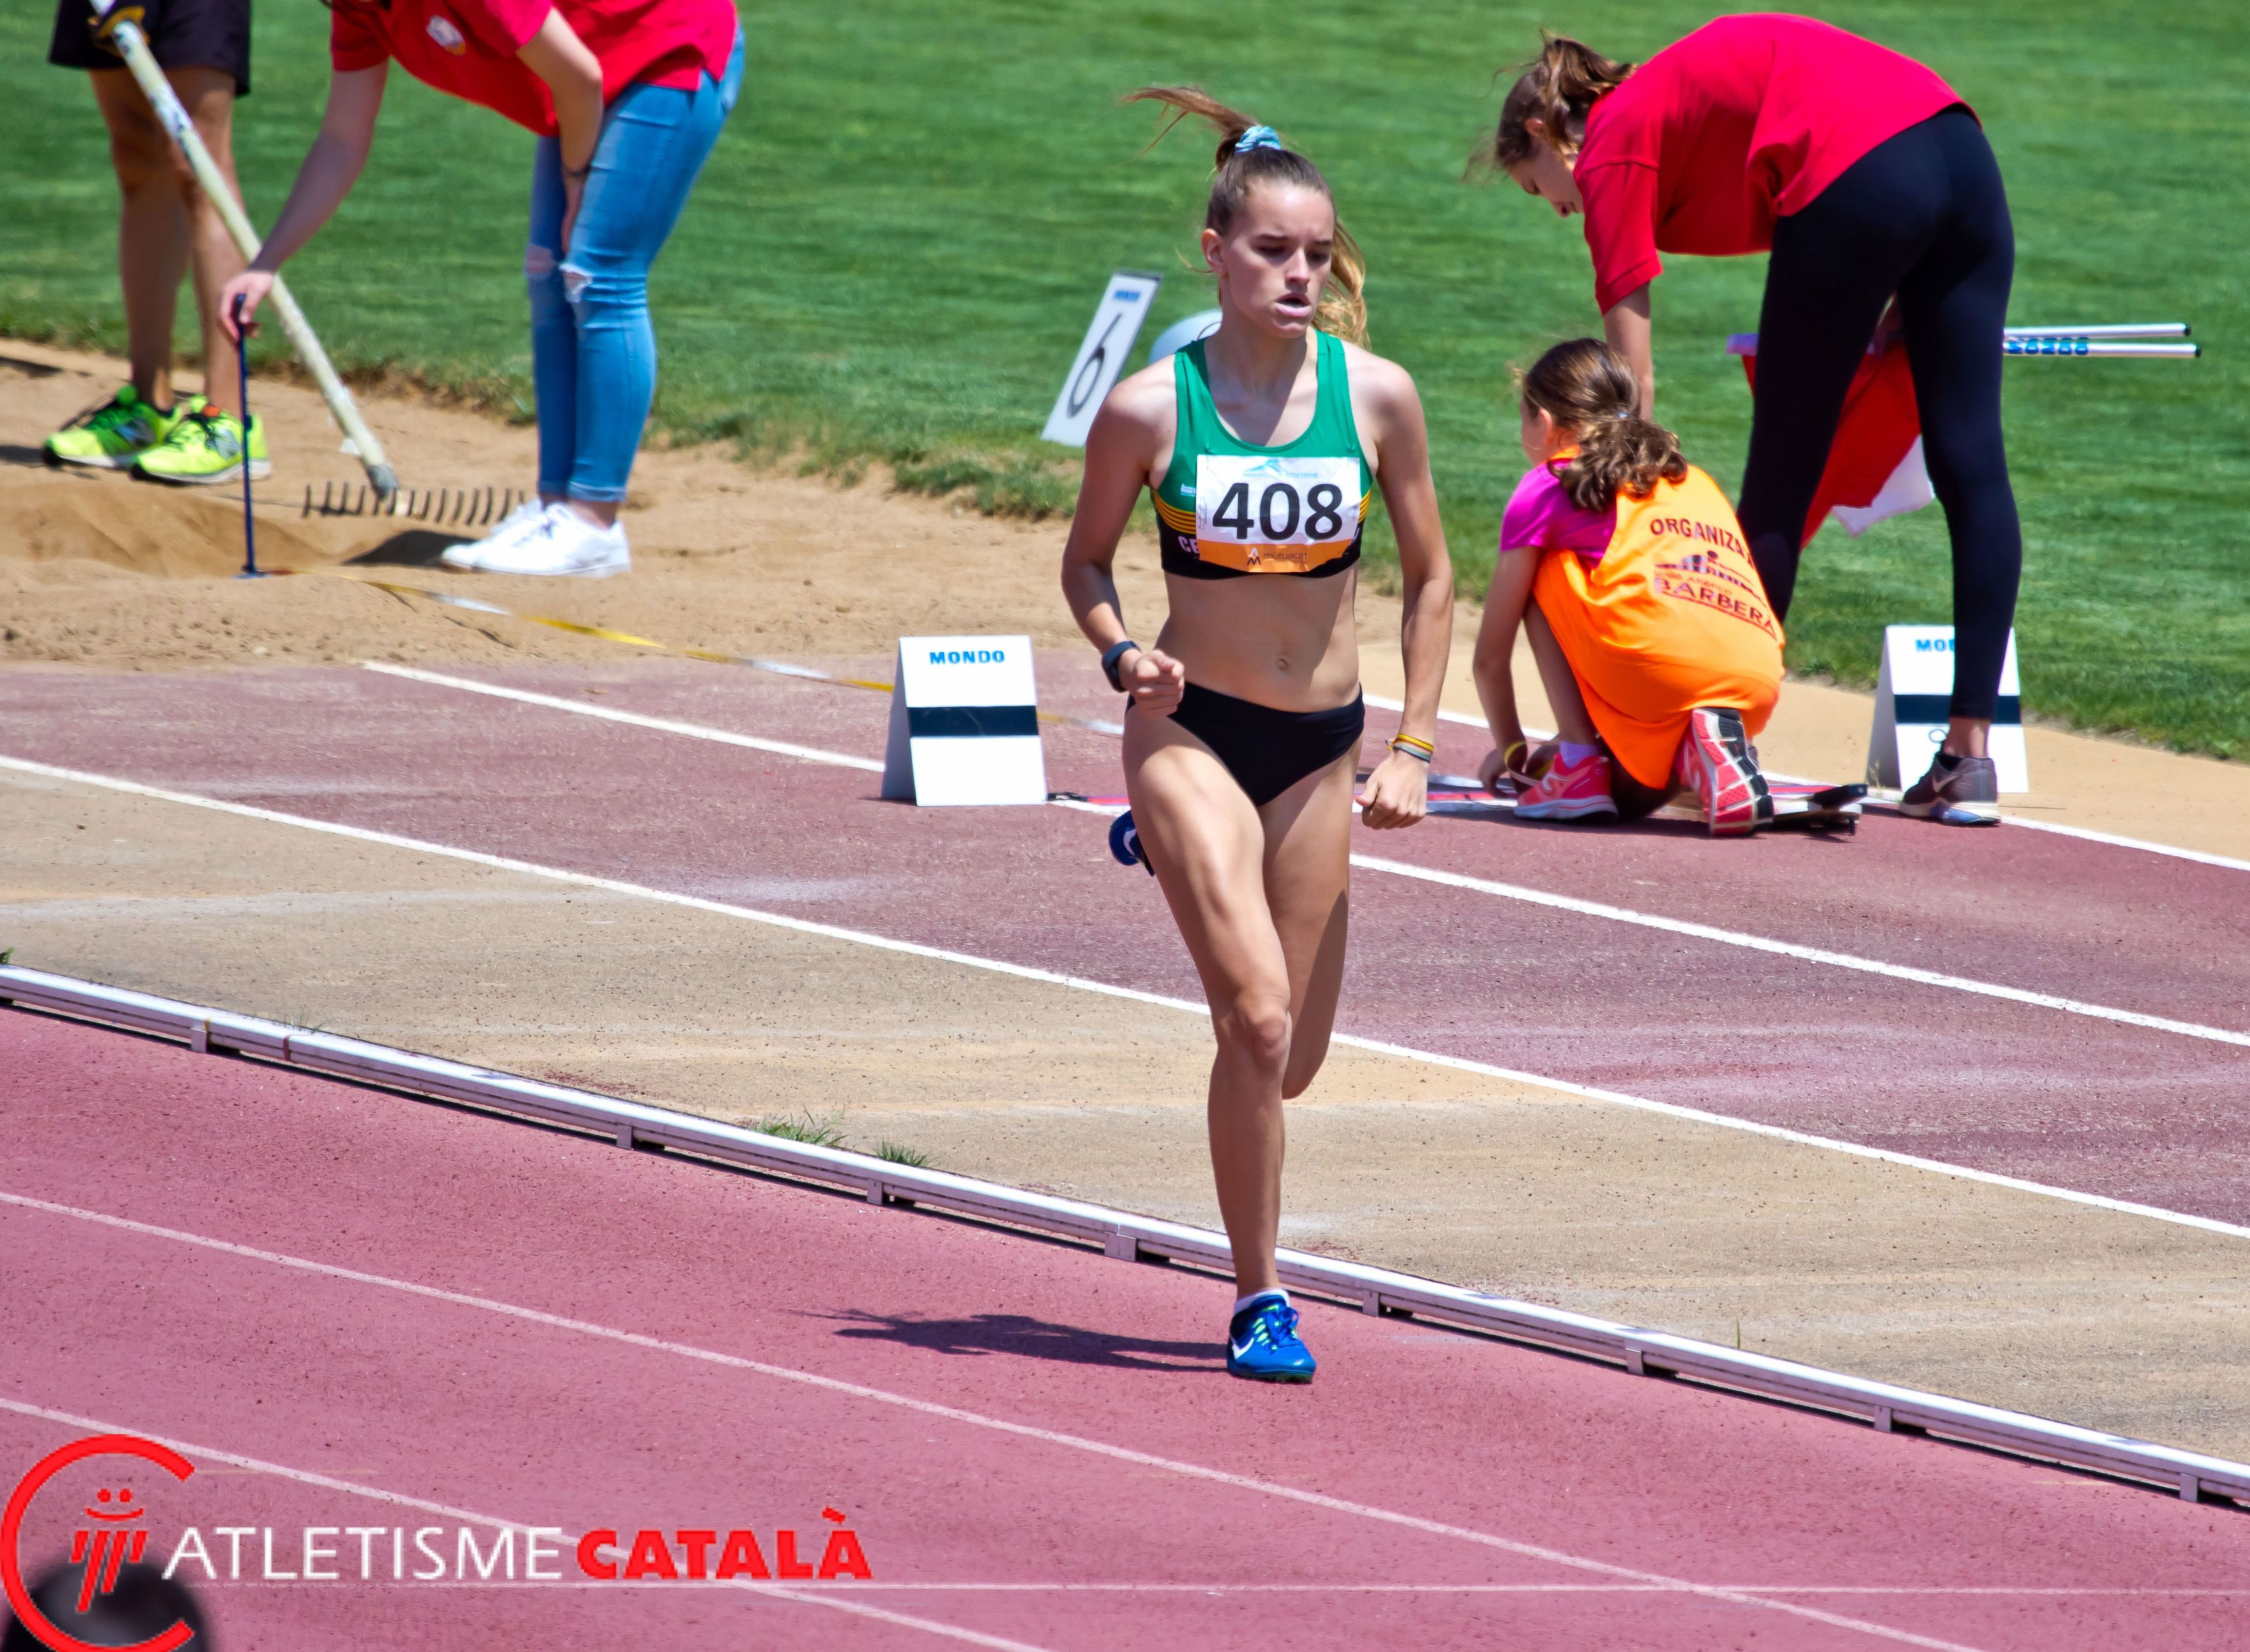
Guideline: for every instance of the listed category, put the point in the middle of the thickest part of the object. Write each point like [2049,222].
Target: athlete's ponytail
[1589,390]
[1264,160]
[1555,88]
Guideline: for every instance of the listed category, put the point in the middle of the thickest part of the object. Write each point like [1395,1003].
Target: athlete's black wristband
[1110,655]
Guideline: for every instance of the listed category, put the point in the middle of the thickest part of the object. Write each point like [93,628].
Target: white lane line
[979,1420]
[695,731]
[1479,885]
[2116,842]
[1025,972]
[1808,954]
[2091,836]
[834,1602]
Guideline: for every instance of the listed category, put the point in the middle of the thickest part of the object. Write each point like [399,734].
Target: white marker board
[964,722]
[1913,691]
[1125,304]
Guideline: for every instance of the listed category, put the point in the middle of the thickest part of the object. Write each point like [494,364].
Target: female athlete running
[1660,654]
[1260,445]
[1872,183]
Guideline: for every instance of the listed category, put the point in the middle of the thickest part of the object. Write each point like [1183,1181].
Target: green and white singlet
[1227,507]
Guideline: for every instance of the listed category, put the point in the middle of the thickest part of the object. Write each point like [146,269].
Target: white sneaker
[513,526]
[562,542]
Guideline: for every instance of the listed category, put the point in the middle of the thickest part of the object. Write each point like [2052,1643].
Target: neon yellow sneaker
[202,448]
[114,435]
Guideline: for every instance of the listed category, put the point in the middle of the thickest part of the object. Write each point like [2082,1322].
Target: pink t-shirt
[1540,517]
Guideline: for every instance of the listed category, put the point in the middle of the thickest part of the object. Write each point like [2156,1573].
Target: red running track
[2125,1112]
[1035,1445]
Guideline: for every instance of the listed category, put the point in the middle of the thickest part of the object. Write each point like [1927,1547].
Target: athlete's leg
[1834,266]
[1954,302]
[152,230]
[1208,847]
[208,96]
[1308,870]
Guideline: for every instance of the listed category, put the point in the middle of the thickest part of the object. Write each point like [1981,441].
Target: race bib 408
[1274,515]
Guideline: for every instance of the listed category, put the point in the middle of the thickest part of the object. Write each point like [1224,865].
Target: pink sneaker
[1716,763]
[1573,791]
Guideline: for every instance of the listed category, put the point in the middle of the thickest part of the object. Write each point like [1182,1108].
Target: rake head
[440,507]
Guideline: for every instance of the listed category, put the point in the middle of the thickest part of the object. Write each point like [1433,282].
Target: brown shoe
[1966,794]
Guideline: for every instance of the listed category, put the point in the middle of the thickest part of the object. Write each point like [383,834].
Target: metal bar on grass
[2123,343]
[2069,344]
[134,44]
[2103,330]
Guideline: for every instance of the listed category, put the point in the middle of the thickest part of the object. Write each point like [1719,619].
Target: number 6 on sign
[1101,357]
[1276,515]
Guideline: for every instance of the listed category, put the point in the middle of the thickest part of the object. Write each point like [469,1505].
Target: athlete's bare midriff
[1284,640]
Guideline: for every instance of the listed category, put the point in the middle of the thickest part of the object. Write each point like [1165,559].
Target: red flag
[1874,466]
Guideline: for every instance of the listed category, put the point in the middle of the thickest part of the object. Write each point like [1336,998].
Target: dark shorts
[1269,751]
[183,34]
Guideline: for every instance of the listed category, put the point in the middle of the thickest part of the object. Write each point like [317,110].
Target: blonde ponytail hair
[1342,308]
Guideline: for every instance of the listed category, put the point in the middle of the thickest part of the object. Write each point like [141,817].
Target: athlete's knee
[142,155]
[1256,1029]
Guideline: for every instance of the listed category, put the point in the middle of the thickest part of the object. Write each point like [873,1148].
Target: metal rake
[441,507]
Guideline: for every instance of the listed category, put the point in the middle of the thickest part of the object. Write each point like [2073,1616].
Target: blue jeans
[593,352]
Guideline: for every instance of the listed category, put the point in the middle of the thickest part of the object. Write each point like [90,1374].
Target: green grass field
[897,244]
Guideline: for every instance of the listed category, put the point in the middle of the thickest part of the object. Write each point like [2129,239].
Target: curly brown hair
[1588,389]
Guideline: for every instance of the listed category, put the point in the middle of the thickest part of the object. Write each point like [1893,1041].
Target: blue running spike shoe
[1262,1343]
[1125,843]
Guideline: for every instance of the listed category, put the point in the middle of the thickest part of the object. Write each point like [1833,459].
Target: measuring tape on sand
[779,668]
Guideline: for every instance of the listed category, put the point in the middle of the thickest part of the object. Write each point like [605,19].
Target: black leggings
[1921,215]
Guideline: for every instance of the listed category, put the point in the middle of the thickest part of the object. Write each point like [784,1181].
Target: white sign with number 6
[1108,342]
[1274,515]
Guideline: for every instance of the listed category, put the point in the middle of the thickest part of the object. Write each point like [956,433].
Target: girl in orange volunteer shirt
[1871,185]
[1658,649]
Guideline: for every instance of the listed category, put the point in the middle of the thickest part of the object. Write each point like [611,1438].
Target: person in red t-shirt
[627,98]
[1871,184]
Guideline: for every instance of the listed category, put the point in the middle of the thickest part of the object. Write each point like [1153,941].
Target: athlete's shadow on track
[1029,1338]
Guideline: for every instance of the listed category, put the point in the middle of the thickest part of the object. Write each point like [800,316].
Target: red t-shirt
[468,47]
[1743,121]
